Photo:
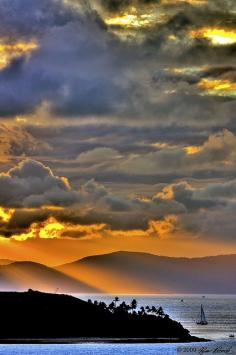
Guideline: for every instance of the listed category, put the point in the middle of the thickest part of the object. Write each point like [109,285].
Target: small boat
[231,336]
[182,300]
[203,320]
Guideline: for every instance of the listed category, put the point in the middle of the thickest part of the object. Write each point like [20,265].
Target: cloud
[26,19]
[104,76]
[120,106]
[31,184]
[94,190]
[35,195]
[17,141]
[119,5]
[209,210]
[139,154]
[218,152]
[63,35]
[98,156]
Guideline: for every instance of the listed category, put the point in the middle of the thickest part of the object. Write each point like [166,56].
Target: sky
[117,128]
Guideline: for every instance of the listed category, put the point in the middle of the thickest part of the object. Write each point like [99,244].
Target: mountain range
[126,272]
[6,261]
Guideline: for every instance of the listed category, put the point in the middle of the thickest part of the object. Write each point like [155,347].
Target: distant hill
[23,275]
[125,272]
[6,262]
[33,316]
[131,272]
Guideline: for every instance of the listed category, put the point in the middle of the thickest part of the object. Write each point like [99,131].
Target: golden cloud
[54,229]
[217,36]
[219,87]
[135,18]
[163,228]
[192,149]
[9,51]
[129,20]
[6,214]
[166,193]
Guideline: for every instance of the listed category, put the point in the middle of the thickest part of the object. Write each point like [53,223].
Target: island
[34,316]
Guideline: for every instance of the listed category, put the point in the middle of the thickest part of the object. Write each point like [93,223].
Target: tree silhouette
[142,311]
[111,306]
[153,309]
[123,308]
[133,305]
[160,312]
[102,305]
[116,299]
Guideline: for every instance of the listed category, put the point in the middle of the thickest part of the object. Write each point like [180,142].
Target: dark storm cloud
[25,85]
[82,74]
[28,18]
[118,5]
[31,184]
[209,211]
[216,223]
[126,115]
[181,199]
[17,141]
[94,204]
[68,69]
[138,154]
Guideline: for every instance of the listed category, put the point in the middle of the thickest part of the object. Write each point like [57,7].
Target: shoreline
[24,341]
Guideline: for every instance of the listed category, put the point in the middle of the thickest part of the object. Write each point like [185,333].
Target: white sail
[203,320]
[203,317]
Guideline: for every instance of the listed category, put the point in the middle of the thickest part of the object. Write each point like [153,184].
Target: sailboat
[203,320]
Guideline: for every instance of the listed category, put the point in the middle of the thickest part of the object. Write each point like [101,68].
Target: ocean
[223,347]
[220,312]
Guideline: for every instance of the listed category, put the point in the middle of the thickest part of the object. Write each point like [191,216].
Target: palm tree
[122,308]
[102,305]
[153,309]
[160,312]
[111,306]
[133,305]
[142,311]
[116,299]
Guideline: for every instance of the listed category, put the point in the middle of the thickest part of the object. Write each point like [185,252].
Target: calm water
[220,311]
[226,347]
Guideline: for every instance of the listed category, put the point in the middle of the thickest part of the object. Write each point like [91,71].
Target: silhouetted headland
[38,317]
